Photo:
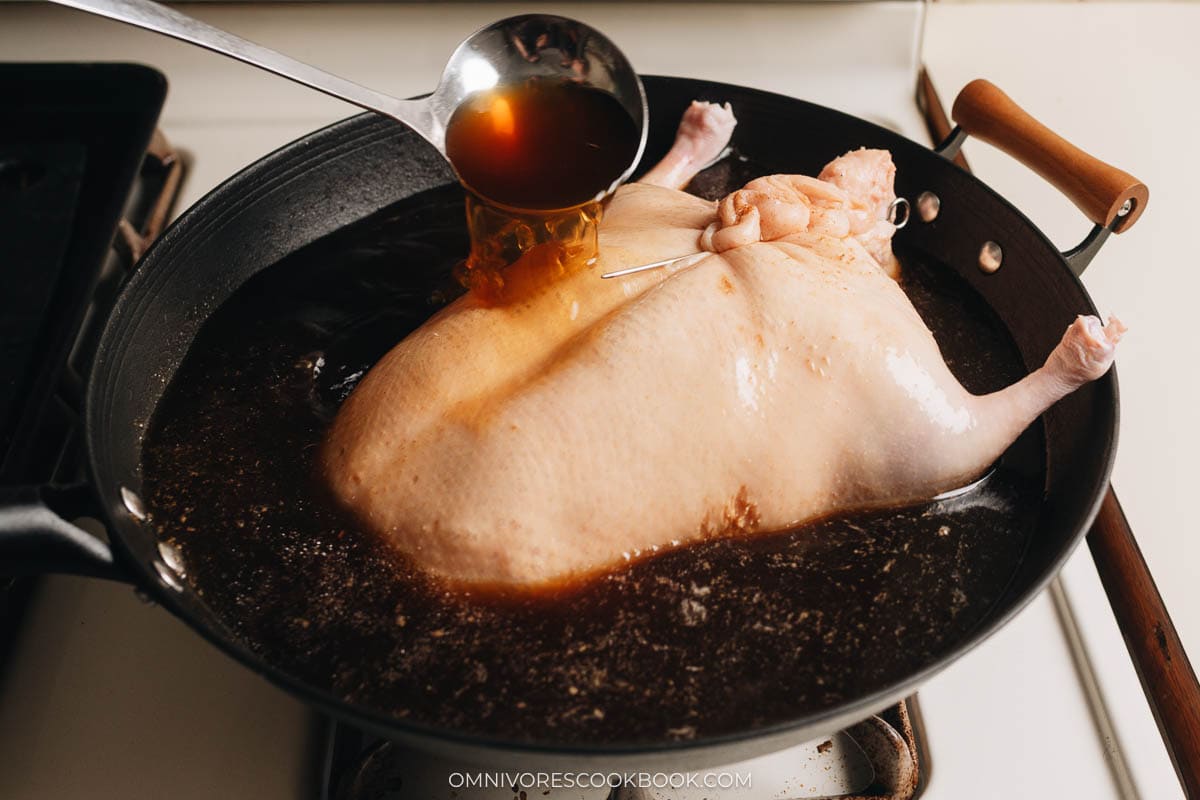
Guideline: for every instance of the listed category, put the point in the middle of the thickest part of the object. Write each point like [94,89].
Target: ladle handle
[161,19]
[1099,190]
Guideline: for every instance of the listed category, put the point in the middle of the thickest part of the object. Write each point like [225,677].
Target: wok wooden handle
[1098,189]
[1158,655]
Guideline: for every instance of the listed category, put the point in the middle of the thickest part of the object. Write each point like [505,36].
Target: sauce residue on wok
[537,160]
[722,636]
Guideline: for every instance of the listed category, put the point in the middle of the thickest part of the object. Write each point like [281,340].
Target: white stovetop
[111,698]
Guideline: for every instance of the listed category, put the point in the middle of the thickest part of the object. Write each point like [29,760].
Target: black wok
[355,168]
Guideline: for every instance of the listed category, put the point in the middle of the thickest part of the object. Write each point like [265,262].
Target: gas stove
[79,157]
[880,757]
[104,695]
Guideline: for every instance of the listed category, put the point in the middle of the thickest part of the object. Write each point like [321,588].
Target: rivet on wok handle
[171,557]
[133,504]
[168,578]
[990,256]
[169,566]
[1098,189]
[928,206]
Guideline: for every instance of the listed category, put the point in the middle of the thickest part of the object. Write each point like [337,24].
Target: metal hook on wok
[898,212]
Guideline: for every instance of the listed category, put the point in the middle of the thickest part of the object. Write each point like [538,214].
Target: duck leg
[702,135]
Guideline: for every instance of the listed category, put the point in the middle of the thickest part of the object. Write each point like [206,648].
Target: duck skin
[781,376]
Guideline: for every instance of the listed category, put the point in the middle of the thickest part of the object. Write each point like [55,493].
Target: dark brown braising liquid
[537,159]
[717,637]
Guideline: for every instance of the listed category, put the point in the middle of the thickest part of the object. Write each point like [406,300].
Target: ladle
[503,53]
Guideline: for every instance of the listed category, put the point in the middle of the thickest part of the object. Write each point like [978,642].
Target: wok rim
[114,343]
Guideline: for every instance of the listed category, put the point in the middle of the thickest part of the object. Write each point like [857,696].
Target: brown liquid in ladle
[537,159]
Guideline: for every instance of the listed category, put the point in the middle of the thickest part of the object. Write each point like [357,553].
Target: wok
[353,169]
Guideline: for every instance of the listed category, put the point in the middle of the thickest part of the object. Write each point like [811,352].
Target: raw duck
[781,376]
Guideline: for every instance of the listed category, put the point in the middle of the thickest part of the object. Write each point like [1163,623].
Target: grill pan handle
[1158,655]
[1099,190]
[36,536]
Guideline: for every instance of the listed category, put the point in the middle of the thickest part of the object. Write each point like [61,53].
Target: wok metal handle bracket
[1079,256]
[36,535]
[1111,198]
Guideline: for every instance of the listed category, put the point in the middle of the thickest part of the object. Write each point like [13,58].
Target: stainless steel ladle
[505,52]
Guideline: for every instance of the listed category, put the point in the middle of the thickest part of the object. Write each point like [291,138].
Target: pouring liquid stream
[539,160]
